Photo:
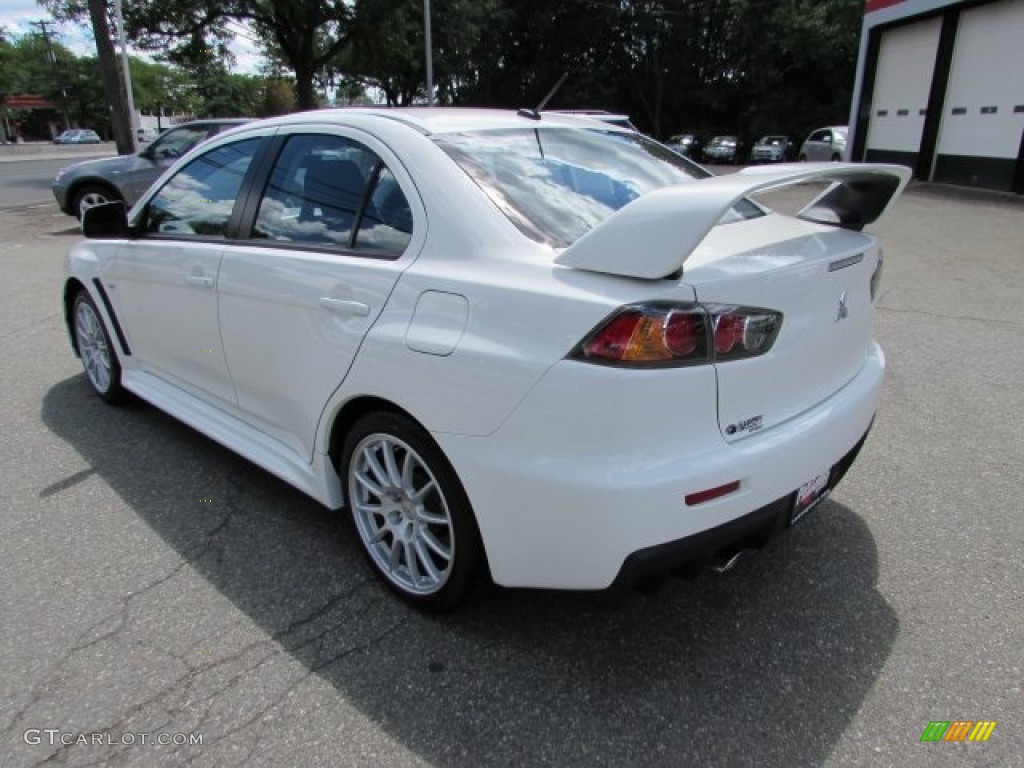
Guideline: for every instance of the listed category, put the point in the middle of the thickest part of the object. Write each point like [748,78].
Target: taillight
[741,332]
[648,335]
[662,335]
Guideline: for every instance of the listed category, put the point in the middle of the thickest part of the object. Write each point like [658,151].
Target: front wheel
[410,512]
[90,195]
[97,353]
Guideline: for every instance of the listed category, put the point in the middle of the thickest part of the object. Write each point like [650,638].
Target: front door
[164,286]
[326,250]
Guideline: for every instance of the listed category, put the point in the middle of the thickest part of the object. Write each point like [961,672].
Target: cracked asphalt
[153,583]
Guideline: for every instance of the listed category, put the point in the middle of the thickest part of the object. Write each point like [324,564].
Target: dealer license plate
[811,493]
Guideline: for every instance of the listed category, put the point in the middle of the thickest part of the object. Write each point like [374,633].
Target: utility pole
[119,18]
[43,24]
[430,53]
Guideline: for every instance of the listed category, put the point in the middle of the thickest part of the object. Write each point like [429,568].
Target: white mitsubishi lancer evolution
[530,346]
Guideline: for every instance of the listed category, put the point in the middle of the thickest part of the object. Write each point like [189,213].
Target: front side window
[330,191]
[175,143]
[555,183]
[198,199]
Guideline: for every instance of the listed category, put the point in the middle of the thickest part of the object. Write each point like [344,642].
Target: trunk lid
[819,279]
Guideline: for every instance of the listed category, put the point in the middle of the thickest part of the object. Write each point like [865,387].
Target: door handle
[199,281]
[345,307]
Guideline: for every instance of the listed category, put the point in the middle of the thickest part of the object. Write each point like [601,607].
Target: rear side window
[327,191]
[556,184]
[198,199]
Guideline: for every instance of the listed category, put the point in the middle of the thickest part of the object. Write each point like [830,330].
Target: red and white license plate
[810,494]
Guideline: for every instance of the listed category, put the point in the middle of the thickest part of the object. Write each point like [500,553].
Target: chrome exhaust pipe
[722,562]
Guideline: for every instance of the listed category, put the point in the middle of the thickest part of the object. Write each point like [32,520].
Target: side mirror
[107,221]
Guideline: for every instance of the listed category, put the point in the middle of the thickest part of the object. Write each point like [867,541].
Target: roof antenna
[534,114]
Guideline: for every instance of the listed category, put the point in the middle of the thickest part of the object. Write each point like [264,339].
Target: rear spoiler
[654,235]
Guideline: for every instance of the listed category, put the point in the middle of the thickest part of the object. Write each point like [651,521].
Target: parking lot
[155,584]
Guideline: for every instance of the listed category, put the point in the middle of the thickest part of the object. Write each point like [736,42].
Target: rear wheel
[97,353]
[90,195]
[410,512]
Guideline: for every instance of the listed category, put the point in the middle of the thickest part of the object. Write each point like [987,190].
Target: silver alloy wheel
[89,199]
[401,514]
[92,346]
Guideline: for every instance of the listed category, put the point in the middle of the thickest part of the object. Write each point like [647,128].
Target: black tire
[803,158]
[90,195]
[410,512]
[102,368]
[836,158]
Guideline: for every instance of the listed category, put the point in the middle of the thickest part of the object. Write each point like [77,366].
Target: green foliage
[749,66]
[279,98]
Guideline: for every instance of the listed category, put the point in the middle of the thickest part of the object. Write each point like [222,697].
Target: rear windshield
[557,183]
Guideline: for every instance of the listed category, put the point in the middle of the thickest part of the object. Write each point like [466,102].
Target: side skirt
[317,479]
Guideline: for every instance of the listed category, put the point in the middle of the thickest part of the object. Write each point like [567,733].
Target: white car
[532,346]
[824,144]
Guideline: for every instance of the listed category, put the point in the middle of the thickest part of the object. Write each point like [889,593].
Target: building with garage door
[940,88]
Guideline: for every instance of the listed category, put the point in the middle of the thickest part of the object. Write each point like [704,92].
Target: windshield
[772,140]
[725,141]
[557,183]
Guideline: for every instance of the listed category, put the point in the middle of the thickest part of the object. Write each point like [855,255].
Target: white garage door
[983,117]
[903,78]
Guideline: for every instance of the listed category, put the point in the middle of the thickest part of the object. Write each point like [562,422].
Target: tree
[112,85]
[304,34]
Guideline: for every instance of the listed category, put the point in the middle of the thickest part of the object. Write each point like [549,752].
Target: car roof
[212,121]
[439,120]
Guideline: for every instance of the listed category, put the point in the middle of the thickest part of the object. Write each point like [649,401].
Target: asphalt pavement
[155,584]
[27,170]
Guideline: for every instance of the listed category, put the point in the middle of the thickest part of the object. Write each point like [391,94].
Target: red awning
[876,5]
[27,101]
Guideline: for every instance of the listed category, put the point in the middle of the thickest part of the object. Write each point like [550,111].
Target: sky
[15,15]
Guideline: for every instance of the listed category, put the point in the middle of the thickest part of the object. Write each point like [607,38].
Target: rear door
[332,230]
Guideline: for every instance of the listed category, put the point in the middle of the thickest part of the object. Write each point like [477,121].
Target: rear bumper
[583,491]
[685,557]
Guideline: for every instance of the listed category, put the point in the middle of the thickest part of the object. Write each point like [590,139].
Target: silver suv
[84,185]
[824,144]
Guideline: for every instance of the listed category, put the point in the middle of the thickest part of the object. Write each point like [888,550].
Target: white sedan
[535,347]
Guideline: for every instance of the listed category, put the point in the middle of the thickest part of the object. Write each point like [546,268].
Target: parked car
[772,149]
[82,185]
[482,333]
[78,136]
[687,144]
[146,135]
[824,144]
[724,149]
